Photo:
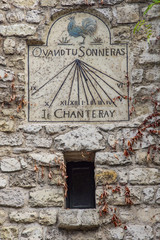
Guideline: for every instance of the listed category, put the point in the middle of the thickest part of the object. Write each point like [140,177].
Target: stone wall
[32,204]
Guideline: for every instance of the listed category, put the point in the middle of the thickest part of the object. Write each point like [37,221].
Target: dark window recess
[81,185]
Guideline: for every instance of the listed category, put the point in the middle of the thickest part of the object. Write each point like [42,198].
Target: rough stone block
[15,16]
[137,75]
[21,30]
[48,3]
[141,157]
[38,141]
[2,18]
[116,233]
[3,181]
[106,12]
[10,165]
[55,233]
[23,217]
[3,216]
[144,176]
[22,150]
[32,232]
[48,217]
[6,75]
[148,194]
[110,2]
[139,232]
[114,158]
[46,159]
[3,61]
[158,196]
[121,33]
[8,233]
[7,126]
[153,74]
[78,219]
[27,179]
[55,129]
[10,139]
[105,176]
[11,198]
[146,58]
[33,16]
[30,128]
[87,138]
[47,198]
[154,12]
[24,3]
[127,14]
[149,214]
[75,2]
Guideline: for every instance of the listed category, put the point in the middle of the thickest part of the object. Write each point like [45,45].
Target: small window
[81,185]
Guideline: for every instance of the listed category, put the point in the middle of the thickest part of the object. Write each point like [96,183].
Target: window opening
[81,184]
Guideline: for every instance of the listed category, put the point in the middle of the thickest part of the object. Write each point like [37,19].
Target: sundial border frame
[46,45]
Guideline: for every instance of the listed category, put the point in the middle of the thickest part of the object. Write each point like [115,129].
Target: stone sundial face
[79,75]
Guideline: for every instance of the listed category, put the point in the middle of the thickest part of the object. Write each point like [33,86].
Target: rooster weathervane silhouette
[89,26]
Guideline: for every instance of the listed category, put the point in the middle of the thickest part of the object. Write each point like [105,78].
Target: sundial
[78,75]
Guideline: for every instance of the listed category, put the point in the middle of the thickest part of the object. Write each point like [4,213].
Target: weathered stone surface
[15,16]
[4,5]
[27,179]
[32,232]
[153,74]
[114,158]
[37,141]
[75,2]
[10,139]
[21,77]
[106,12]
[3,61]
[126,216]
[7,126]
[141,157]
[105,176]
[123,177]
[137,75]
[156,158]
[148,194]
[157,231]
[21,30]
[46,159]
[48,3]
[2,18]
[47,198]
[149,58]
[154,12]
[30,128]
[87,138]
[11,198]
[55,233]
[3,181]
[139,232]
[127,14]
[10,165]
[3,216]
[6,75]
[121,33]
[158,196]
[48,217]
[22,150]
[33,16]
[55,129]
[24,4]
[116,233]
[9,233]
[149,214]
[23,217]
[144,176]
[78,219]
[110,2]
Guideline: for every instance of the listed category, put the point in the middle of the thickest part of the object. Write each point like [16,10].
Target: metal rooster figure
[88,27]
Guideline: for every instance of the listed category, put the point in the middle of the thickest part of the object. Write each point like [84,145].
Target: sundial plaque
[78,75]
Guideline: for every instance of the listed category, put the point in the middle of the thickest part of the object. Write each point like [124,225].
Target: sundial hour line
[104,81]
[101,88]
[101,72]
[83,84]
[92,85]
[62,84]
[86,83]
[72,83]
[52,78]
